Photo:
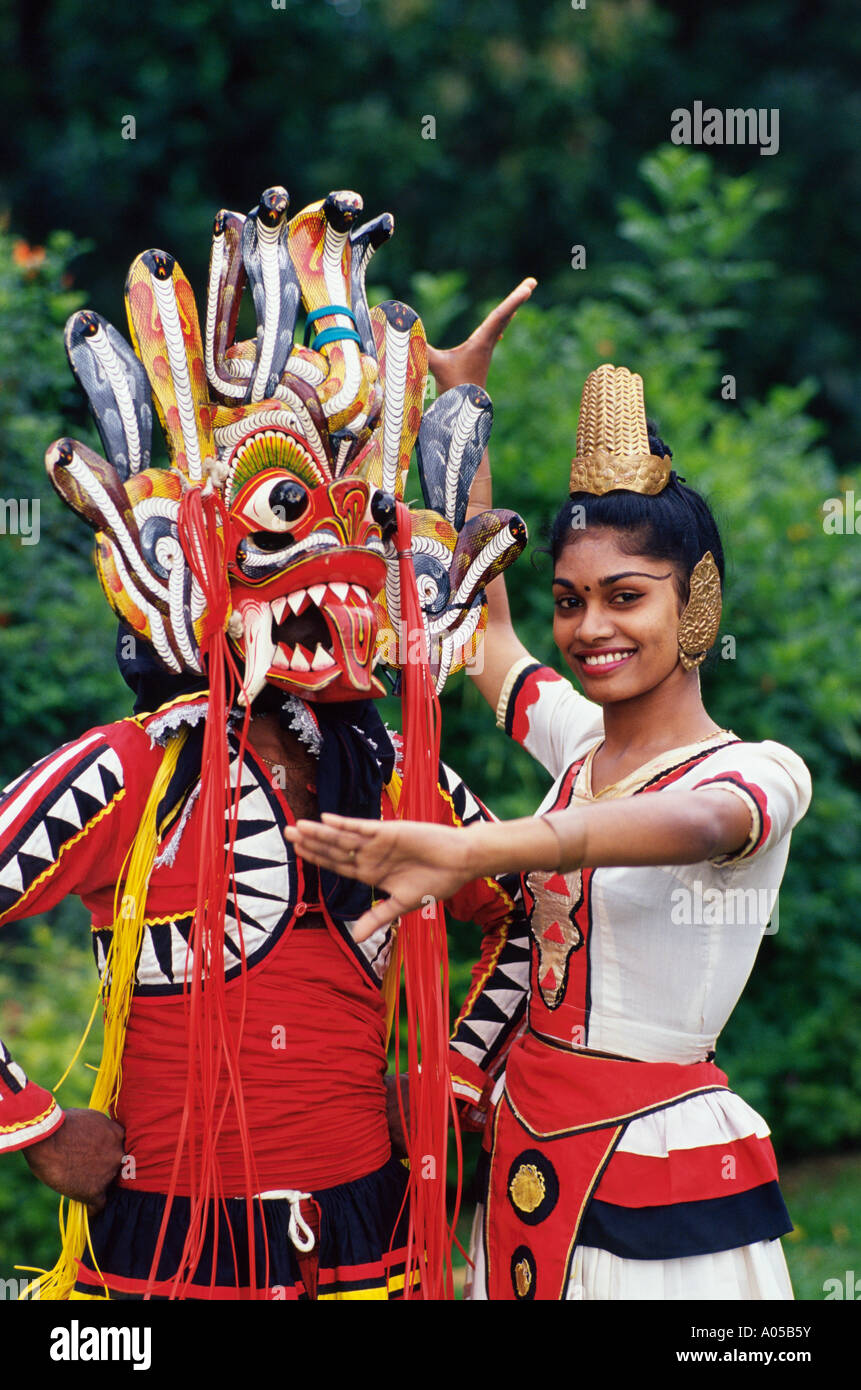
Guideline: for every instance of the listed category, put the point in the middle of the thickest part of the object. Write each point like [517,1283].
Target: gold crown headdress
[613,438]
[613,453]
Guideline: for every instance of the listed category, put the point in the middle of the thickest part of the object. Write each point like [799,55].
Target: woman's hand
[81,1159]
[415,862]
[469,362]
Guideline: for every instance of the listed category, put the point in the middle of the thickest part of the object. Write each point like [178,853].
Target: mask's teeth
[299,660]
[322,660]
[278,607]
[259,648]
[340,590]
[296,600]
[317,593]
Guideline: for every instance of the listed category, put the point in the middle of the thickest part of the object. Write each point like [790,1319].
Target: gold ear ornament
[699,623]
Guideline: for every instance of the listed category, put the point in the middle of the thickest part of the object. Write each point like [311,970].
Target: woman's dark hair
[675,524]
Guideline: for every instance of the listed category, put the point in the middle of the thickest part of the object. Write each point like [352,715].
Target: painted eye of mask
[274,508]
[288,500]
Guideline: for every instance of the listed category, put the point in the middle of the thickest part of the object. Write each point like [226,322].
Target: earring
[699,623]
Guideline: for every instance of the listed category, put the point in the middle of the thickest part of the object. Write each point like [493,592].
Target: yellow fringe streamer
[116,989]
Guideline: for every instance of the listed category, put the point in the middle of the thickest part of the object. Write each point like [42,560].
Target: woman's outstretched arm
[415,862]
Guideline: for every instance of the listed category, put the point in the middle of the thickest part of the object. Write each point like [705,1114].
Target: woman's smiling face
[616,616]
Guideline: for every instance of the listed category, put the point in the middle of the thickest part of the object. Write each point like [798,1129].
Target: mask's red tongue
[354,631]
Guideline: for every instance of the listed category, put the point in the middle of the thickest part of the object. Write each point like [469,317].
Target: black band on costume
[515,691]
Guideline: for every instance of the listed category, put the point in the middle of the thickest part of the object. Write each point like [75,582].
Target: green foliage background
[542,115]
[547,135]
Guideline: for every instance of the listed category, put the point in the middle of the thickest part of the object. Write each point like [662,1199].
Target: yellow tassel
[116,989]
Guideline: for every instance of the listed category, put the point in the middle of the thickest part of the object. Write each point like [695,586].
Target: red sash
[555,1129]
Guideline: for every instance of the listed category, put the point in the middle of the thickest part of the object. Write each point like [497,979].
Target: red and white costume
[623,1166]
[313,1042]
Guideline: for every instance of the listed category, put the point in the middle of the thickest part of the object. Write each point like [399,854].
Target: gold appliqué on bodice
[522,1278]
[527,1188]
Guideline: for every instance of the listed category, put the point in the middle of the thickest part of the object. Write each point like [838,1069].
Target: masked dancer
[237,1143]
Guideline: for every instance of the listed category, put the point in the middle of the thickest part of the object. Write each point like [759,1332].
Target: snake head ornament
[453,558]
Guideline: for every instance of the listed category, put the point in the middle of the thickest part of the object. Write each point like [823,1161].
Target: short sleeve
[28,1113]
[543,712]
[771,780]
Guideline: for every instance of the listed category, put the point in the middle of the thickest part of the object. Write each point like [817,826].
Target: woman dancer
[621,1164]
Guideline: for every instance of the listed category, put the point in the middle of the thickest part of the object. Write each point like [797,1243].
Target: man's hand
[81,1158]
[469,363]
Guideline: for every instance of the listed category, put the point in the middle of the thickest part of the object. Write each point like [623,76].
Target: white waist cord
[298,1229]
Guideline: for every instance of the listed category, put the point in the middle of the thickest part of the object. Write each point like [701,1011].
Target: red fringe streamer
[422,953]
[212,1044]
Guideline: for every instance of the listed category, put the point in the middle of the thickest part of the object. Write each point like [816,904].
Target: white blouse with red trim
[669,948]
